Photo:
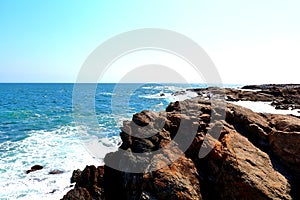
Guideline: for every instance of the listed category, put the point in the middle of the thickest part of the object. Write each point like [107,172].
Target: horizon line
[143,83]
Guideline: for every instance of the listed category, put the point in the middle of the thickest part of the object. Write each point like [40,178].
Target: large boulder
[236,169]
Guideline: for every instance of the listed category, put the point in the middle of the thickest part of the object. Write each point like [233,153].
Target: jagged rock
[178,180]
[253,125]
[172,180]
[89,184]
[254,156]
[75,176]
[92,179]
[77,194]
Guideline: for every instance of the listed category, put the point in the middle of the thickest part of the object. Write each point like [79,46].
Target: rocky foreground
[253,156]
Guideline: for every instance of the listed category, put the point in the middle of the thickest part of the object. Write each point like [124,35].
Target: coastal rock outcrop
[89,184]
[254,156]
[281,96]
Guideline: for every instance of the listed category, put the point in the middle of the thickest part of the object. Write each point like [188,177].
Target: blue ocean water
[37,127]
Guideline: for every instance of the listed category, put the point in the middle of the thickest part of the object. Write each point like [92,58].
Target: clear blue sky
[249,41]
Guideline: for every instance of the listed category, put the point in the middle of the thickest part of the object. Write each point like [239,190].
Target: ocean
[37,127]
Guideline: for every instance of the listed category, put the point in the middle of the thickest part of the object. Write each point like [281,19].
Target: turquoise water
[37,127]
[28,107]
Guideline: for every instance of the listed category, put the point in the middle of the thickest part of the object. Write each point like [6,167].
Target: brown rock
[89,184]
[286,146]
[173,106]
[284,122]
[92,179]
[144,118]
[241,164]
[178,180]
[282,96]
[77,194]
[254,126]
[239,170]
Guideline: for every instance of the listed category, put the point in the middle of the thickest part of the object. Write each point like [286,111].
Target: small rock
[56,171]
[54,190]
[34,168]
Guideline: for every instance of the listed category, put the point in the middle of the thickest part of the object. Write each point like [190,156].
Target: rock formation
[255,156]
[282,96]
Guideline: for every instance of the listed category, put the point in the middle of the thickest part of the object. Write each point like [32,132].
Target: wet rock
[89,184]
[56,171]
[75,175]
[77,194]
[92,179]
[34,168]
[52,192]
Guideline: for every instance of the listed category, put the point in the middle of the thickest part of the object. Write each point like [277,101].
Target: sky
[250,42]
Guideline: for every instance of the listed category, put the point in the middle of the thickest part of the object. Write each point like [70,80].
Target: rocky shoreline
[254,156]
[281,96]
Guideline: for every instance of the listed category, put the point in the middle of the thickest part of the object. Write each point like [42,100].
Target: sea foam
[60,149]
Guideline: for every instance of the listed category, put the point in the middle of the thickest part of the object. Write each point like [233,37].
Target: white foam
[60,149]
[157,96]
[264,107]
[170,96]
[186,95]
[251,90]
[148,87]
[107,93]
[167,92]
[163,87]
